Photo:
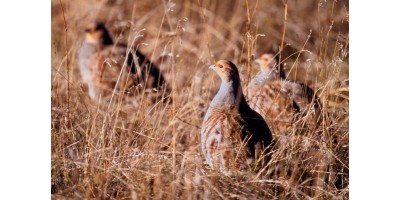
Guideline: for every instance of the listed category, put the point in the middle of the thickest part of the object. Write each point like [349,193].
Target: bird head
[266,62]
[97,33]
[226,70]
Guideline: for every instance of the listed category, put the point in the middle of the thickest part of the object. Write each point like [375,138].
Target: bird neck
[269,74]
[90,48]
[94,46]
[86,52]
[229,95]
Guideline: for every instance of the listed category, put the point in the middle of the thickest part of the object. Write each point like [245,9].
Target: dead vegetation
[136,147]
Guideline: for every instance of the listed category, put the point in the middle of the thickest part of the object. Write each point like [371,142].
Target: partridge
[103,64]
[279,100]
[233,136]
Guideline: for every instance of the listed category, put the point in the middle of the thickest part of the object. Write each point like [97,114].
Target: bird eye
[220,66]
[89,30]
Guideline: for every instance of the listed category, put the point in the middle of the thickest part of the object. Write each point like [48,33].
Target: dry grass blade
[146,145]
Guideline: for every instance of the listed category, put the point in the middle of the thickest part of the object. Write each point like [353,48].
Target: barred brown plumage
[278,100]
[233,136]
[101,64]
[275,105]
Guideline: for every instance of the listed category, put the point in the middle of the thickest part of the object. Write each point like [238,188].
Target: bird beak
[258,61]
[211,67]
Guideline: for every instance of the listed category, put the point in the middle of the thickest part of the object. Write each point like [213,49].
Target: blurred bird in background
[105,65]
[280,100]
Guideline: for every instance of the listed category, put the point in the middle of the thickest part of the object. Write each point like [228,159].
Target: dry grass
[138,148]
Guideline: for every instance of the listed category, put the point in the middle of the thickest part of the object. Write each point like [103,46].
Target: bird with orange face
[280,100]
[233,136]
[106,66]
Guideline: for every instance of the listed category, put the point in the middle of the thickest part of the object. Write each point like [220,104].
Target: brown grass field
[139,148]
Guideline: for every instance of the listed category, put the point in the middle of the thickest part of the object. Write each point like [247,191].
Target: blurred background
[207,31]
